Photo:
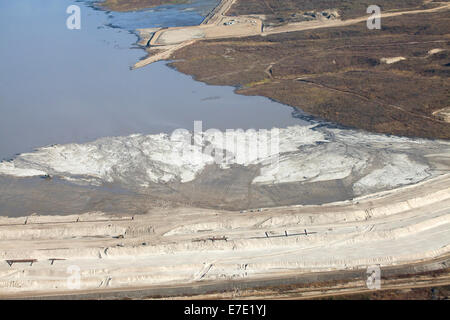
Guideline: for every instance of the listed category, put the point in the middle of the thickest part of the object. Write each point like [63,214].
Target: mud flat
[180,246]
[313,164]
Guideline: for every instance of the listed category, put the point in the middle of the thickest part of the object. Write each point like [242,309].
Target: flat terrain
[280,12]
[317,164]
[430,282]
[396,284]
[393,80]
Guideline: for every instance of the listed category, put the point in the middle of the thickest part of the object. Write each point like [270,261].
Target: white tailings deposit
[301,154]
[42,255]
[399,214]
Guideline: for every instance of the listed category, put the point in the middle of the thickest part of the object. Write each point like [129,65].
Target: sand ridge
[116,252]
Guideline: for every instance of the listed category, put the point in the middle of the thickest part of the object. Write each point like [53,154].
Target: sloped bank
[302,165]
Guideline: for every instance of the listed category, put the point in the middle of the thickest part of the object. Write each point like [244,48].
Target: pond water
[59,86]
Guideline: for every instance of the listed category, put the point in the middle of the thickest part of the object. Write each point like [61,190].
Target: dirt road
[219,26]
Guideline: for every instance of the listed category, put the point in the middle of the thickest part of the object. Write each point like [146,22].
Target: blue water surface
[61,86]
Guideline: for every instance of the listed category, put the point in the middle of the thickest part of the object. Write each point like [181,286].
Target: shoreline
[166,242]
[323,86]
[317,164]
[219,16]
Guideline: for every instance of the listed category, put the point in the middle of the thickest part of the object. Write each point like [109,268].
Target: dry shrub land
[393,80]
[340,74]
[281,11]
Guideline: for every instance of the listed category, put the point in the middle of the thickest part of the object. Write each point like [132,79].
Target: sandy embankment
[391,228]
[311,164]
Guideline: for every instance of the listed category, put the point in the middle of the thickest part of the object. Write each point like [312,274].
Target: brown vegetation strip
[343,78]
[283,11]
